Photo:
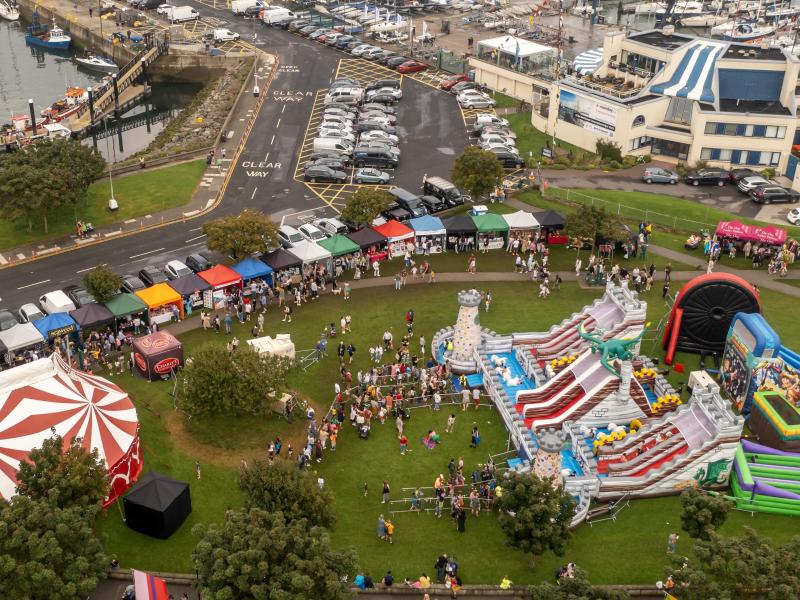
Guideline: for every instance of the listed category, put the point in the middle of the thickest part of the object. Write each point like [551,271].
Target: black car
[197,262]
[251,12]
[151,275]
[385,58]
[433,204]
[314,174]
[78,295]
[708,177]
[298,24]
[307,30]
[371,106]
[396,212]
[396,61]
[736,175]
[774,193]
[131,283]
[383,99]
[463,86]
[383,83]
[332,154]
[336,164]
[7,320]
[509,160]
[369,125]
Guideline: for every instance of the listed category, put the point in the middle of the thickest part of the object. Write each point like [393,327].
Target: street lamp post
[112,202]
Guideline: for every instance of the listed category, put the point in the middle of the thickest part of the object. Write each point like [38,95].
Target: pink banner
[764,235]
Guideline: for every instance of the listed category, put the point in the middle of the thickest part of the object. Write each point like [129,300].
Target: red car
[411,66]
[449,82]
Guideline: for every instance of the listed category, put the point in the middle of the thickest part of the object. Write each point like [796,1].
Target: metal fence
[633,213]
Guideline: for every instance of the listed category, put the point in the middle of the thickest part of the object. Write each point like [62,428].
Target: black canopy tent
[461,232]
[191,288]
[550,219]
[92,315]
[367,238]
[281,260]
[157,505]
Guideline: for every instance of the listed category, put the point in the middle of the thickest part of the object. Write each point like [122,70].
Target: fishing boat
[742,31]
[69,106]
[97,63]
[54,38]
[8,11]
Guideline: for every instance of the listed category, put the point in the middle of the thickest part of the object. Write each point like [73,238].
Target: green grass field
[138,194]
[530,140]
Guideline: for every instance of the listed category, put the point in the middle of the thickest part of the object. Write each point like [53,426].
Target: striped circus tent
[588,62]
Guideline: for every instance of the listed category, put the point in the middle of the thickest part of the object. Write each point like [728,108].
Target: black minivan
[374,157]
[444,190]
[411,202]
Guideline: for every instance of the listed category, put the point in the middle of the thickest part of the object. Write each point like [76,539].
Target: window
[743,130]
[679,111]
[638,121]
[639,142]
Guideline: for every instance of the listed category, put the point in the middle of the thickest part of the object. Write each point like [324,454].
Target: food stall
[551,221]
[191,288]
[312,255]
[157,355]
[224,281]
[734,230]
[399,237]
[282,263]
[92,316]
[160,298]
[372,243]
[461,232]
[251,268]
[56,325]
[126,308]
[521,223]
[16,341]
[342,248]
[430,231]
[492,231]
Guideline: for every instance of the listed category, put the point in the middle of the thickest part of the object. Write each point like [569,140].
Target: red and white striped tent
[48,393]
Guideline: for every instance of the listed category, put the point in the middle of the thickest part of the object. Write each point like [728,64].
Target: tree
[535,516]
[283,488]
[244,382]
[77,167]
[477,171]
[257,554]
[575,588]
[64,475]
[740,568]
[102,283]
[47,551]
[249,232]
[594,223]
[364,205]
[702,513]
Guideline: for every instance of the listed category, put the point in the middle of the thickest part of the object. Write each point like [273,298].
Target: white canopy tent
[19,337]
[310,253]
[521,221]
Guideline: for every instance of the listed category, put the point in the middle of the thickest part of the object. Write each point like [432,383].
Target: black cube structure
[157,505]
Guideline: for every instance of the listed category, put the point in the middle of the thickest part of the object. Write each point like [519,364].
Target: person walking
[403,444]
[451,424]
[390,534]
[385,492]
[668,272]
[672,540]
[476,398]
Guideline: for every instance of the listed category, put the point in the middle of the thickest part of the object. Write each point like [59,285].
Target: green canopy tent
[339,245]
[126,307]
[492,231]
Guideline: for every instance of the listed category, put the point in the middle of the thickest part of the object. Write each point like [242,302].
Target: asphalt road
[429,122]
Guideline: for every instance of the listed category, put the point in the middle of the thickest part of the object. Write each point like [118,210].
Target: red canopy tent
[398,236]
[221,279]
[772,235]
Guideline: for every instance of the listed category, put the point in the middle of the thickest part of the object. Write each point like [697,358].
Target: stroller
[363,431]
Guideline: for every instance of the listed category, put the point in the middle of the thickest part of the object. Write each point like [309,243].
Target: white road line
[194,238]
[266,157]
[283,109]
[145,253]
[272,141]
[89,268]
[33,284]
[254,193]
[278,124]
[196,229]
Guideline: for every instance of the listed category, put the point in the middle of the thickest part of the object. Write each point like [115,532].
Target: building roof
[759,107]
[588,62]
[508,44]
[657,39]
[753,52]
[693,78]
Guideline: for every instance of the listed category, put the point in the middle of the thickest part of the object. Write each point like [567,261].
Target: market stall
[251,268]
[551,221]
[461,232]
[224,282]
[734,230]
[429,234]
[492,231]
[282,263]
[16,341]
[312,256]
[157,355]
[191,288]
[372,243]
[399,238]
[92,316]
[56,325]
[343,250]
[160,300]
[126,308]
[521,223]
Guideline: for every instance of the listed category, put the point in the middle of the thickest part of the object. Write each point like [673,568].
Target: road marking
[90,268]
[254,193]
[33,284]
[278,124]
[272,141]
[283,109]
[196,229]
[146,253]
[194,238]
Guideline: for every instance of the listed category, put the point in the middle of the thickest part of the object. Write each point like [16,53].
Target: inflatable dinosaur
[615,348]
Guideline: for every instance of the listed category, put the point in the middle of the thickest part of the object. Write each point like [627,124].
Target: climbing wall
[467,331]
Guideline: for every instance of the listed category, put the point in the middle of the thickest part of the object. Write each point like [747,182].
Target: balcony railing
[619,90]
[624,68]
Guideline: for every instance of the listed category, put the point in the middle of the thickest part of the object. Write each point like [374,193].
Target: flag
[516,53]
[365,10]
[377,13]
[149,587]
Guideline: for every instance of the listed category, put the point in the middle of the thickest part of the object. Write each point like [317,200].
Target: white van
[336,93]
[325,144]
[225,35]
[178,14]
[275,14]
[56,302]
[239,6]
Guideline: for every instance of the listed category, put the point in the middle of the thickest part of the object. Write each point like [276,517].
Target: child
[403,443]
[332,440]
[365,489]
[389,531]
[451,423]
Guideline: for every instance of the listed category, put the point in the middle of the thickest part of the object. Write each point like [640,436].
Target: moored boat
[70,105]
[97,63]
[54,38]
[8,11]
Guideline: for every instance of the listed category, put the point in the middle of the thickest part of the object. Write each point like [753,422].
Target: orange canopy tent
[160,295]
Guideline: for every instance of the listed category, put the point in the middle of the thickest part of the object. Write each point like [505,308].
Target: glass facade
[741,157]
[742,130]
[669,148]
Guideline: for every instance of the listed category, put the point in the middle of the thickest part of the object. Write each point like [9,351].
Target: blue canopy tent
[56,325]
[252,268]
[429,234]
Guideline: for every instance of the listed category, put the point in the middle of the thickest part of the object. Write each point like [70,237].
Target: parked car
[736,175]
[383,98]
[175,269]
[396,92]
[311,232]
[132,284]
[476,100]
[396,61]
[28,313]
[377,125]
[382,83]
[369,175]
[448,82]
[793,216]
[433,204]
[78,295]
[412,66]
[289,236]
[333,163]
[464,86]
[315,174]
[659,175]
[774,193]
[56,302]
[359,50]
[379,135]
[496,140]
[197,262]
[509,160]
[225,35]
[369,107]
[7,320]
[151,275]
[329,154]
[163,9]
[331,226]
[707,177]
[748,184]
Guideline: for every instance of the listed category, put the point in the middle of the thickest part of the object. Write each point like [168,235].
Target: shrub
[681,169]
[615,164]
[647,158]
[563,160]
[700,164]
[629,161]
[768,173]
[608,150]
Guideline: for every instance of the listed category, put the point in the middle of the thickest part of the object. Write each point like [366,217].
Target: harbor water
[43,76]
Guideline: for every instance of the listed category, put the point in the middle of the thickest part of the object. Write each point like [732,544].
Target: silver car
[368,175]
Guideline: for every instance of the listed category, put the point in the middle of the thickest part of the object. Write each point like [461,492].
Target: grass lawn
[530,140]
[171,445]
[504,101]
[138,194]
